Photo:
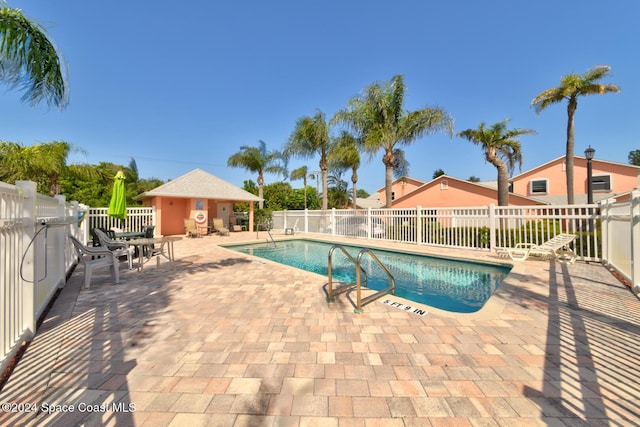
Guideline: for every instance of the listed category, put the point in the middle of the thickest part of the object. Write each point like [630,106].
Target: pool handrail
[370,298]
[330,290]
[359,282]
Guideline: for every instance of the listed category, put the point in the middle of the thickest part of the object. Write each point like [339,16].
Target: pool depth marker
[404,307]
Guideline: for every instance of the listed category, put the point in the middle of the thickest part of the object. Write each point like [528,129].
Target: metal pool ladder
[359,282]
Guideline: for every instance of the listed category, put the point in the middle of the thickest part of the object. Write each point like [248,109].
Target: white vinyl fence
[137,219]
[35,259]
[621,238]
[484,227]
[36,256]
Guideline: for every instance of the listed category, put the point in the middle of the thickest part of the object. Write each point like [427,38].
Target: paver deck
[226,339]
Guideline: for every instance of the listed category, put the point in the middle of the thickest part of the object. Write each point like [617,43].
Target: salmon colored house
[195,195]
[542,185]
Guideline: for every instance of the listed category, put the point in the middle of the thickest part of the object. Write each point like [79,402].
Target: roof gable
[201,184]
[560,159]
[405,179]
[464,183]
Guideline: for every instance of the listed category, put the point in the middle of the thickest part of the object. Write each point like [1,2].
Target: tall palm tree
[29,60]
[379,116]
[501,148]
[310,137]
[260,161]
[345,155]
[301,173]
[571,87]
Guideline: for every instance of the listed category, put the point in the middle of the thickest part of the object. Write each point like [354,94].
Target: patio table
[129,235]
[165,248]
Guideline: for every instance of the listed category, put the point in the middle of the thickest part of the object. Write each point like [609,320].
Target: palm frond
[30,61]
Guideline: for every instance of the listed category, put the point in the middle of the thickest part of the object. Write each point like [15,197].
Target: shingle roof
[201,184]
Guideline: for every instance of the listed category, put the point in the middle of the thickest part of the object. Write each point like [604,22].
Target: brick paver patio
[225,339]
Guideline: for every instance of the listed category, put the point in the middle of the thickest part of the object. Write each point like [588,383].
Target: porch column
[250,216]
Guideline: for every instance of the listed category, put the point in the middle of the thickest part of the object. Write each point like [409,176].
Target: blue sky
[182,85]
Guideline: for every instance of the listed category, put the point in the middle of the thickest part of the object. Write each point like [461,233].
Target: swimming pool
[452,285]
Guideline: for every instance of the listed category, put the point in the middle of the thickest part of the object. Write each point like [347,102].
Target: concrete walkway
[226,339]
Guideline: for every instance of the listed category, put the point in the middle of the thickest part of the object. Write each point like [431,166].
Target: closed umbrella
[118,204]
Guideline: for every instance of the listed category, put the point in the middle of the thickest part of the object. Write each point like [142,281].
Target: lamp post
[588,153]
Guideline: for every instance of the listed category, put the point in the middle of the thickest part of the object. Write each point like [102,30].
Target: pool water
[452,285]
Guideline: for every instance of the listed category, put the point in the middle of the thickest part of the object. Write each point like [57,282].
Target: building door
[223,211]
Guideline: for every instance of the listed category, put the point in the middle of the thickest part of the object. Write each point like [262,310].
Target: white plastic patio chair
[118,247]
[92,257]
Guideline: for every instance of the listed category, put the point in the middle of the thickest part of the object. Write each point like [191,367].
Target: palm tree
[501,148]
[310,137]
[380,118]
[345,155]
[29,60]
[571,87]
[338,194]
[260,161]
[42,163]
[301,173]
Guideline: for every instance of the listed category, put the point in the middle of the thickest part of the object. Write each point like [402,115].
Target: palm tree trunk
[354,180]
[503,182]
[325,185]
[571,109]
[387,159]
[305,191]
[260,190]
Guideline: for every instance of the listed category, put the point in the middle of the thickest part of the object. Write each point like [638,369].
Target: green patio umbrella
[118,204]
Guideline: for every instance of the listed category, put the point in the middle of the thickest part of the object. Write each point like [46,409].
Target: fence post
[306,220]
[492,226]
[59,241]
[635,241]
[605,215]
[418,225]
[153,217]
[29,267]
[333,221]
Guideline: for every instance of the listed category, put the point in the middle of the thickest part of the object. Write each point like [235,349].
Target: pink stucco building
[543,185]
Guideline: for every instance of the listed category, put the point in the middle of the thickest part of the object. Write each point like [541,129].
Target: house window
[511,187]
[444,184]
[601,183]
[538,186]
[393,195]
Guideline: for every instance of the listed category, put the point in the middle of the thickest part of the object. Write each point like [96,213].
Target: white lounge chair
[554,248]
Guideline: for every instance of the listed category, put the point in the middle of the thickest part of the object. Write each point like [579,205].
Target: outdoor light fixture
[588,153]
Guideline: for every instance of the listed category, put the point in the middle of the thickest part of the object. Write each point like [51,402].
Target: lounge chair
[118,247]
[218,227]
[554,248]
[93,257]
[191,228]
